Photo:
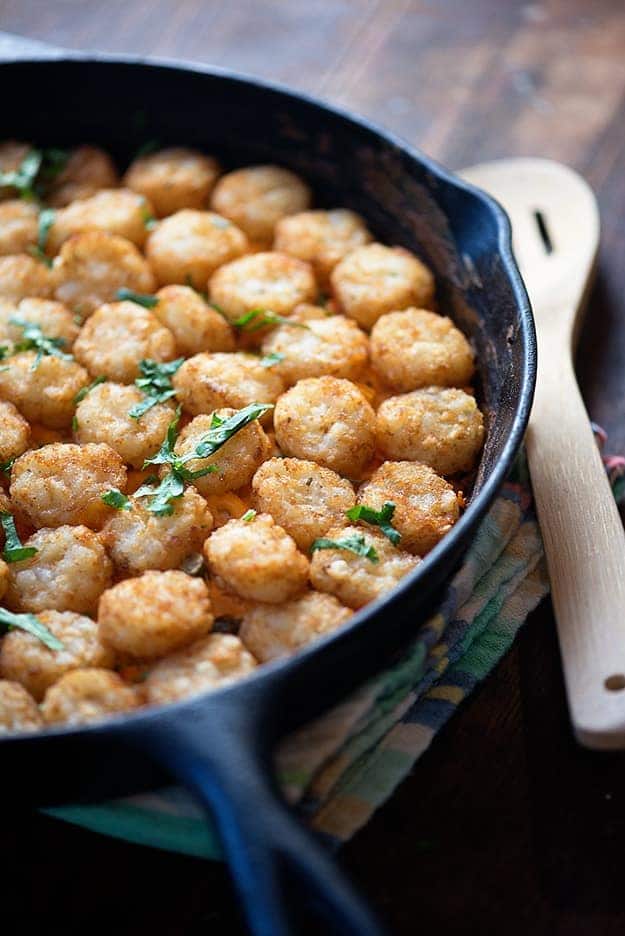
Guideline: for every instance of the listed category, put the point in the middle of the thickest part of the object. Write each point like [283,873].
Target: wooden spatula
[555,225]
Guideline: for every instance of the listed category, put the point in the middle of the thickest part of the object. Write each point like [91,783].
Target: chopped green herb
[6,466]
[46,220]
[31,624]
[155,382]
[248,516]
[143,299]
[354,542]
[150,146]
[223,429]
[219,222]
[380,518]
[53,163]
[23,178]
[13,550]
[115,498]
[256,319]
[171,487]
[35,340]
[148,218]
[270,359]
[86,390]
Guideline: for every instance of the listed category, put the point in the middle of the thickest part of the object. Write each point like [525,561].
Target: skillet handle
[276,863]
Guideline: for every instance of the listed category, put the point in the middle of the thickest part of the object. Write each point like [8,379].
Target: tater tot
[303,497]
[207,382]
[270,280]
[87,695]
[322,238]
[44,393]
[426,506]
[25,659]
[257,559]
[138,540]
[19,226]
[271,632]
[23,277]
[118,336]
[14,432]
[18,709]
[257,197]
[4,578]
[236,460]
[330,346]
[69,572]
[173,178]
[354,579]
[53,318]
[375,279]
[103,416]
[116,211]
[416,348]
[187,247]
[328,421]
[225,507]
[209,663]
[439,426]
[92,267]
[195,325]
[155,614]
[63,484]
[87,170]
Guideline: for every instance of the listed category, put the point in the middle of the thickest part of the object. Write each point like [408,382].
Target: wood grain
[506,825]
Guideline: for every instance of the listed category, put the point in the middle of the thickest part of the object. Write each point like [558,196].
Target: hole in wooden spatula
[615,683]
[543,230]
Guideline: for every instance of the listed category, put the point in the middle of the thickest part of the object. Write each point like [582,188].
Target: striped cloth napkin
[343,766]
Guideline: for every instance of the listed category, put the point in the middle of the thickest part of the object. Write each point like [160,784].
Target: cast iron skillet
[219,744]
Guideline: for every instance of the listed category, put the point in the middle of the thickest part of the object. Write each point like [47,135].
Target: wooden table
[505,826]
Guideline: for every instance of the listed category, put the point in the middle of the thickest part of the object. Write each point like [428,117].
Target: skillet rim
[464,530]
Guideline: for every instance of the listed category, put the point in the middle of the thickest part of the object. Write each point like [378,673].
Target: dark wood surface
[505,825]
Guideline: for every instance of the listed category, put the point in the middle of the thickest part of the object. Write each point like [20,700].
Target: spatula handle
[585,548]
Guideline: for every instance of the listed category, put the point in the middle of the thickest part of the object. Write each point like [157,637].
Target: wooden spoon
[555,224]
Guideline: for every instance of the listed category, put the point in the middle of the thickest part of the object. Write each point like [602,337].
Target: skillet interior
[406,200]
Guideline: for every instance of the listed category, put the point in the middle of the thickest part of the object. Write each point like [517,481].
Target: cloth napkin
[343,766]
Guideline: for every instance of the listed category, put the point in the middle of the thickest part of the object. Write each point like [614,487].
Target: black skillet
[219,744]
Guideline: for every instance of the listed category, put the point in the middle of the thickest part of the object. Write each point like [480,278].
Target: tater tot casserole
[229,419]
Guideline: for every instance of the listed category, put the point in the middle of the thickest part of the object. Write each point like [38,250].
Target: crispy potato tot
[256,197]
[69,572]
[87,695]
[208,382]
[209,663]
[439,426]
[375,279]
[187,247]
[87,170]
[63,484]
[271,632]
[14,432]
[154,614]
[328,421]
[53,318]
[18,709]
[25,659]
[270,281]
[115,211]
[355,579]
[173,179]
[416,348]
[19,226]
[118,336]
[91,268]
[302,496]
[322,238]
[426,506]
[195,325]
[43,392]
[23,277]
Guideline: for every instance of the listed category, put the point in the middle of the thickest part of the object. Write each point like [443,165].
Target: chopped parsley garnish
[148,218]
[46,220]
[270,359]
[6,466]
[155,382]
[23,178]
[171,485]
[13,550]
[5,350]
[31,624]
[256,319]
[143,299]
[86,390]
[34,340]
[115,498]
[353,542]
[248,516]
[380,518]
[150,146]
